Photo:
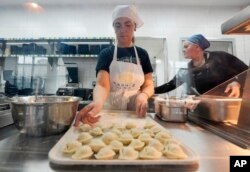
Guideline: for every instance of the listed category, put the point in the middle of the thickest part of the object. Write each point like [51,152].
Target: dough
[128,153]
[137,144]
[174,151]
[84,137]
[71,147]
[150,152]
[105,153]
[83,152]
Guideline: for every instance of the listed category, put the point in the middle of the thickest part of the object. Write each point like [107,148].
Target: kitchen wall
[170,22]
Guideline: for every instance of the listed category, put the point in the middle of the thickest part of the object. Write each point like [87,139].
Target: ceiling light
[33,7]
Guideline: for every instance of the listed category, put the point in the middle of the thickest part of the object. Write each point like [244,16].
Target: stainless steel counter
[29,154]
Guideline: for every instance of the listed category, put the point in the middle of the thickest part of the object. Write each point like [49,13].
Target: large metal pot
[218,108]
[44,115]
[170,112]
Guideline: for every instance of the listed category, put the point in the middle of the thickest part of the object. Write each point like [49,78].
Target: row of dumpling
[118,129]
[105,127]
[123,134]
[149,152]
[135,137]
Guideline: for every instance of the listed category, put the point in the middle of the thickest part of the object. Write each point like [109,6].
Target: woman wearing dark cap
[206,69]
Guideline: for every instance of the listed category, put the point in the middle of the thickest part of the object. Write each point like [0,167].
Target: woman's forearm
[165,87]
[148,86]
[100,94]
[102,88]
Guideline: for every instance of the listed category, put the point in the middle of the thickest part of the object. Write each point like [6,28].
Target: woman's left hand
[141,103]
[235,89]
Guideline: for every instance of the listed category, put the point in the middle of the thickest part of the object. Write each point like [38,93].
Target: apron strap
[136,55]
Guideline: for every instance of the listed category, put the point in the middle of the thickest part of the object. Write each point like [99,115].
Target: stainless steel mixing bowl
[44,115]
[171,112]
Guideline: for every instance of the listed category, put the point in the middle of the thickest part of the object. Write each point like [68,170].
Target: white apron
[126,80]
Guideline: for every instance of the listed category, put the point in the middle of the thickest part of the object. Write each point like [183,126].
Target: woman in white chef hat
[124,72]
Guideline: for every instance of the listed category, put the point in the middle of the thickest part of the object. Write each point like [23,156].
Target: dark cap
[199,40]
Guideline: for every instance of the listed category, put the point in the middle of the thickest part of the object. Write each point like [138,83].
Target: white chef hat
[128,11]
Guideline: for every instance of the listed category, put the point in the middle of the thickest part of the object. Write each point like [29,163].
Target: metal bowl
[218,108]
[44,115]
[170,112]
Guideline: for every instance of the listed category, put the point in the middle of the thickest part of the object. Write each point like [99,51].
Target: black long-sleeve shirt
[218,68]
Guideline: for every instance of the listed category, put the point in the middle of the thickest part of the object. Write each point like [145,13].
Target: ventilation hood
[238,24]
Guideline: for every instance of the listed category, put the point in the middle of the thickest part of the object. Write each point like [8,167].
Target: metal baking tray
[56,156]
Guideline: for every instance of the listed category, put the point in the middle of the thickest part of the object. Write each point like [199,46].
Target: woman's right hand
[89,114]
[234,87]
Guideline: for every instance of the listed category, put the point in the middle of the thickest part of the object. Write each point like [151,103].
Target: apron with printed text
[126,80]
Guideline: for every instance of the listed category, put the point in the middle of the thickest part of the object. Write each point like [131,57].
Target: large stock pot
[44,115]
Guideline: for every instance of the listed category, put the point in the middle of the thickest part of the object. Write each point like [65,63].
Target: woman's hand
[141,103]
[89,114]
[235,89]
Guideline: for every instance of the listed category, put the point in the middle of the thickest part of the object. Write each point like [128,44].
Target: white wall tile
[170,22]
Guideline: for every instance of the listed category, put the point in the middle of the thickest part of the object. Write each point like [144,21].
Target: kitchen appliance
[72,74]
[73,80]
[5,111]
[5,114]
[86,94]
[65,91]
[44,115]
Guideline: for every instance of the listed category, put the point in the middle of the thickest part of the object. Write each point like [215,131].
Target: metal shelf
[51,47]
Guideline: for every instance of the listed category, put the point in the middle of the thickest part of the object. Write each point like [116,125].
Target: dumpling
[116,145]
[137,144]
[108,137]
[116,131]
[150,152]
[163,136]
[71,147]
[156,144]
[118,126]
[104,126]
[83,152]
[125,138]
[149,124]
[149,131]
[84,127]
[130,125]
[96,131]
[105,153]
[96,144]
[174,151]
[135,132]
[145,137]
[84,137]
[156,129]
[128,153]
